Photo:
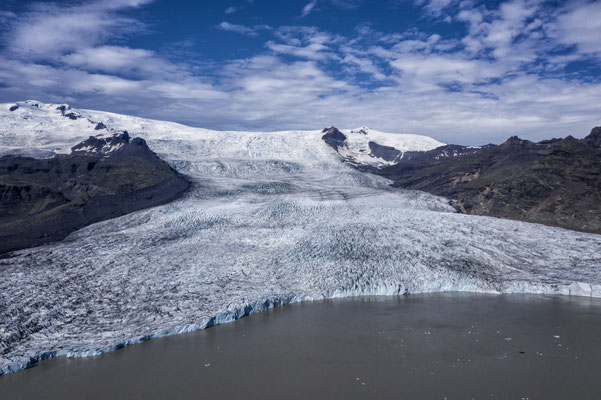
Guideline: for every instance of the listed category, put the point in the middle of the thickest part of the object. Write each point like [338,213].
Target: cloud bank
[514,71]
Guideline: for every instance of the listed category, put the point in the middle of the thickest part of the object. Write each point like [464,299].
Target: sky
[461,71]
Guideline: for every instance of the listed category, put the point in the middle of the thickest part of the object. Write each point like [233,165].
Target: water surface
[454,346]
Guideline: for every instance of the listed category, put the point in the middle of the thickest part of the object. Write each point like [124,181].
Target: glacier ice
[272,218]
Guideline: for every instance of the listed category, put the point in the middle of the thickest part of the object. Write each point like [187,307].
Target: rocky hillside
[555,182]
[43,200]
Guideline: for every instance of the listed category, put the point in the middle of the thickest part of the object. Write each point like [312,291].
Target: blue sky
[460,71]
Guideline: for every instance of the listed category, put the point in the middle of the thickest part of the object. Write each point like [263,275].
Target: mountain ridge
[555,182]
[43,200]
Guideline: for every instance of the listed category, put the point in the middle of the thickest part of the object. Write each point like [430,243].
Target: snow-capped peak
[101,144]
[38,106]
[38,129]
[367,146]
[360,137]
[363,130]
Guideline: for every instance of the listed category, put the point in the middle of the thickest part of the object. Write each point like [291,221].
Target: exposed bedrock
[43,200]
[555,182]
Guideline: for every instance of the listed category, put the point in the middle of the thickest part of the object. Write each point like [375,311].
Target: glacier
[272,218]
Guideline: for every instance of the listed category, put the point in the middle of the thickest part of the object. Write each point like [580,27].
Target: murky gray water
[454,346]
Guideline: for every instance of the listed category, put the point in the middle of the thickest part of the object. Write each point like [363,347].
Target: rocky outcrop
[103,145]
[441,153]
[594,138]
[386,153]
[333,137]
[72,115]
[43,200]
[63,108]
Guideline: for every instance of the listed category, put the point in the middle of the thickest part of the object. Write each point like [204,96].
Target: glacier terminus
[271,218]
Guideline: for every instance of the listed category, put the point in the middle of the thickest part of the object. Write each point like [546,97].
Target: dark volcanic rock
[100,126]
[13,108]
[387,153]
[333,137]
[44,200]
[594,138]
[441,153]
[555,182]
[63,109]
[102,144]
[71,115]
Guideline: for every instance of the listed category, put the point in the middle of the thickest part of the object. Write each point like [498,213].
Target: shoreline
[574,289]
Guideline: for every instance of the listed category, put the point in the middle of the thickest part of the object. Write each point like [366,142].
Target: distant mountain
[44,200]
[366,147]
[555,182]
[441,153]
[63,169]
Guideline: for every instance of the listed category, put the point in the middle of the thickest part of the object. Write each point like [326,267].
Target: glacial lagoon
[435,346]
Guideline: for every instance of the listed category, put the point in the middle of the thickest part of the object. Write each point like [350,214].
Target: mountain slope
[44,200]
[555,182]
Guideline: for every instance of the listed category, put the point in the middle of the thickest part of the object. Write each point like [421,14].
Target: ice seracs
[271,218]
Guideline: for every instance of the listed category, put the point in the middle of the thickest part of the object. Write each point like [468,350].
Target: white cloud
[230,10]
[308,8]
[474,89]
[501,31]
[365,65]
[304,42]
[109,58]
[436,69]
[314,51]
[436,7]
[243,29]
[580,24]
[343,4]
[50,29]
